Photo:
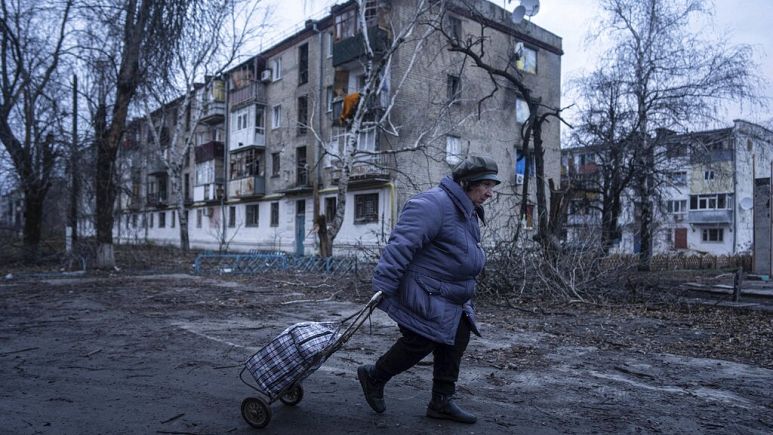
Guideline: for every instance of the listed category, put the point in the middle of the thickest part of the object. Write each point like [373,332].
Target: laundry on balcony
[350,105]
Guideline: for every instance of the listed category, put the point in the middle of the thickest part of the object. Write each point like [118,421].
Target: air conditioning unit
[265,75]
[518,178]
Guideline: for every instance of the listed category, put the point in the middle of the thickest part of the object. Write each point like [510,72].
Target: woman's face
[481,192]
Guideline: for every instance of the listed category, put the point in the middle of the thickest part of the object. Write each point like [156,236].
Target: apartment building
[269,132]
[712,196]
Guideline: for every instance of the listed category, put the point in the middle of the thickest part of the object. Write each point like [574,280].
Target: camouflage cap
[476,168]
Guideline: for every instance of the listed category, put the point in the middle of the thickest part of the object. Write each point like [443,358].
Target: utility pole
[75,184]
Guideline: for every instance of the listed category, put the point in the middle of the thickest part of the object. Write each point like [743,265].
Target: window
[713,234]
[303,113]
[453,88]
[198,218]
[276,67]
[303,64]
[174,218]
[521,161]
[528,61]
[366,208]
[708,175]
[453,150]
[134,221]
[330,209]
[329,98]
[677,208]
[302,172]
[274,164]
[246,164]
[150,223]
[366,141]
[260,125]
[711,202]
[251,215]
[276,116]
[274,214]
[521,110]
[455,28]
[162,219]
[529,216]
[205,173]
[330,37]
[678,178]
[346,25]
[231,217]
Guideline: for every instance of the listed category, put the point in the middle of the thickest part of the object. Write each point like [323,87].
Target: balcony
[367,170]
[712,156]
[253,93]
[709,217]
[212,150]
[213,112]
[207,192]
[247,138]
[247,187]
[156,199]
[353,48]
[375,104]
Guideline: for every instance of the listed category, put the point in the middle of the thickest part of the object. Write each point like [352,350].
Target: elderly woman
[427,276]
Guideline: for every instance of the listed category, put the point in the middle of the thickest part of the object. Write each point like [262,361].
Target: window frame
[252,215]
[453,158]
[362,215]
[276,116]
[274,214]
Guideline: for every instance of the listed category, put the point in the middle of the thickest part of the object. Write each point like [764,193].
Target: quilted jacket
[427,270]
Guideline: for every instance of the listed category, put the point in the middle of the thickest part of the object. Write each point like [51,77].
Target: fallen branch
[300,301]
[173,418]
[19,351]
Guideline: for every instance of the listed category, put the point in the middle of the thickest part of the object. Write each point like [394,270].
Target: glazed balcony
[351,49]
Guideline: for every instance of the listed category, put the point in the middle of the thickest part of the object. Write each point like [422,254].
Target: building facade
[269,132]
[707,194]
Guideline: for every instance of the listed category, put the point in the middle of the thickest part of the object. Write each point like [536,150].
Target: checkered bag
[294,354]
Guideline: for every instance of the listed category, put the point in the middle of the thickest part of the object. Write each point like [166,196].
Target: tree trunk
[33,217]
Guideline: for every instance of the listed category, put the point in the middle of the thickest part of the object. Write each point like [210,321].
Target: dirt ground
[161,353]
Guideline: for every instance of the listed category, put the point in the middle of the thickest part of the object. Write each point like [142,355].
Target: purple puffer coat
[427,270]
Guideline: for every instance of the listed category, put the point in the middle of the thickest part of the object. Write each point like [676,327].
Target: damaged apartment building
[713,195]
[267,132]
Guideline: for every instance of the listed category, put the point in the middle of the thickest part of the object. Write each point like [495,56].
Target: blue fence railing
[257,262]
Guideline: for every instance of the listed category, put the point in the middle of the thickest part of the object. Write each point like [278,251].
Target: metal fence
[256,262]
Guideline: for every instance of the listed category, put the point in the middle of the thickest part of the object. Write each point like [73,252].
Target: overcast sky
[745,21]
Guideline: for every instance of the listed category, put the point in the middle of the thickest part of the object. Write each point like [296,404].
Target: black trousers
[412,348]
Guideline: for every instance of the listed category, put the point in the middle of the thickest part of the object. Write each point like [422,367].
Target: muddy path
[162,353]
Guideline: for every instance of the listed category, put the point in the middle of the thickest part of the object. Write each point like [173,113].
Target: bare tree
[133,41]
[30,56]
[210,43]
[604,131]
[671,79]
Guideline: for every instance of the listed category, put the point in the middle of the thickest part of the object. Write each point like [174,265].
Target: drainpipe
[226,142]
[317,154]
[735,195]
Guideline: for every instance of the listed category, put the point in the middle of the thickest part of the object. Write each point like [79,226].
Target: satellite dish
[518,14]
[531,6]
[747,203]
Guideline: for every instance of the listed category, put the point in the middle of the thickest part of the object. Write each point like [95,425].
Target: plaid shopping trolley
[279,367]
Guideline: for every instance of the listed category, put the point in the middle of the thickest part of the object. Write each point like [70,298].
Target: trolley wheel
[256,412]
[293,396]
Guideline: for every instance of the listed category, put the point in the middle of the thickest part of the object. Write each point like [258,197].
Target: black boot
[373,389]
[443,406]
